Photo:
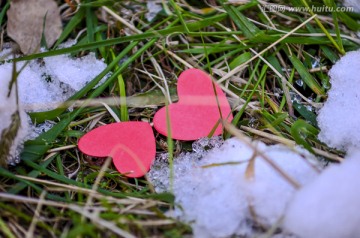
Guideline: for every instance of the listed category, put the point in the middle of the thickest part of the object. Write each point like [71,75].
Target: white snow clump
[339,117]
[8,108]
[220,197]
[73,72]
[327,207]
[43,86]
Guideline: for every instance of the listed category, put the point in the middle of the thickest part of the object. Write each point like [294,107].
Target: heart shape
[197,111]
[130,144]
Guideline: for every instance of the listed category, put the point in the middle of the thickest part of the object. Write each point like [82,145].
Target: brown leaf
[26,21]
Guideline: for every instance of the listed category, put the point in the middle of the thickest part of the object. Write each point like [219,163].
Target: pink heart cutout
[130,144]
[197,112]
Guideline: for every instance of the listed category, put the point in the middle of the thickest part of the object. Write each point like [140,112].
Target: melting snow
[42,86]
[217,197]
[327,207]
[8,107]
[339,118]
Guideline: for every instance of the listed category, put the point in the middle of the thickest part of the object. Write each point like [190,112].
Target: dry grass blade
[234,131]
[7,138]
[238,68]
[94,217]
[30,232]
[290,143]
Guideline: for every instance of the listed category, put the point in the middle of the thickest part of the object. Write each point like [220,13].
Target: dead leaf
[26,22]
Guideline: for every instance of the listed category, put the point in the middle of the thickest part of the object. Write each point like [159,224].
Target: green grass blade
[341,50]
[193,26]
[306,76]
[335,17]
[33,174]
[91,21]
[3,12]
[6,230]
[304,112]
[123,107]
[248,28]
[40,117]
[98,3]
[300,130]
[179,14]
[240,60]
[75,21]
[238,115]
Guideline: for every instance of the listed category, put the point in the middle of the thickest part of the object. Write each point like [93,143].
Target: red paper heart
[197,112]
[130,144]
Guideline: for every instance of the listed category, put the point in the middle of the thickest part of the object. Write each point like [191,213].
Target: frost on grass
[11,139]
[220,195]
[339,118]
[328,207]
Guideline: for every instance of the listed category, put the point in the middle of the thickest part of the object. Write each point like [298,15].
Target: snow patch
[216,196]
[327,207]
[74,72]
[339,118]
[8,108]
[43,85]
